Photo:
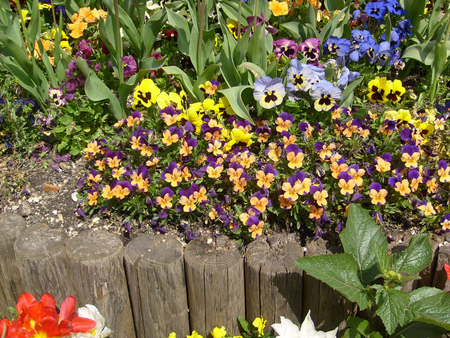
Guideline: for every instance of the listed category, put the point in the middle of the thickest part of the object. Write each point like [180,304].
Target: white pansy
[100,330]
[287,329]
[152,6]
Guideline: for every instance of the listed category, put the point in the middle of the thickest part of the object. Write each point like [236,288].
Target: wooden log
[98,276]
[215,280]
[157,286]
[428,273]
[41,257]
[329,309]
[11,286]
[273,282]
[440,280]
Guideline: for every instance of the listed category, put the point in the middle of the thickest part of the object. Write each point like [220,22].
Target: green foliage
[368,275]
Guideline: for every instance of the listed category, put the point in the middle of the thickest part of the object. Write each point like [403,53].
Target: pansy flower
[338,46]
[410,155]
[121,189]
[356,173]
[93,177]
[379,88]
[401,186]
[172,174]
[302,76]
[113,159]
[324,150]
[427,208]
[284,122]
[92,196]
[324,94]
[445,222]
[396,91]
[134,119]
[346,183]
[303,182]
[338,167]
[269,92]
[199,193]
[260,201]
[246,159]
[285,47]
[314,212]
[210,87]
[416,178]
[279,7]
[274,151]
[288,138]
[320,195]
[266,177]
[145,93]
[188,200]
[141,178]
[394,8]
[377,194]
[56,95]
[107,192]
[443,171]
[165,200]
[370,49]
[214,170]
[188,146]
[376,10]
[383,163]
[117,172]
[129,66]
[172,135]
[310,49]
[239,137]
[385,51]
[432,186]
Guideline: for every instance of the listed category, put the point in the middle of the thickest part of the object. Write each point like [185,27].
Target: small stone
[447,238]
[61,217]
[74,196]
[25,209]
[55,212]
[63,165]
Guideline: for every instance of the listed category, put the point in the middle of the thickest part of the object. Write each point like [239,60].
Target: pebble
[25,209]
[35,199]
[74,196]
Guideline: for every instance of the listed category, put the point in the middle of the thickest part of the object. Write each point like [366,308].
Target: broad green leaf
[294,28]
[245,325]
[338,271]
[414,9]
[348,93]
[230,8]
[384,260]
[351,333]
[34,27]
[362,326]
[151,30]
[333,5]
[48,66]
[435,19]
[228,69]
[424,52]
[330,27]
[419,330]
[256,48]
[430,305]
[311,15]
[358,238]
[256,71]
[415,257]
[186,81]
[184,32]
[234,96]
[391,305]
[240,51]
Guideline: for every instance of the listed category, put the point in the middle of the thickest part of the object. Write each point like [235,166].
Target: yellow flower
[218,332]
[194,335]
[239,136]
[278,8]
[172,335]
[260,324]
[146,93]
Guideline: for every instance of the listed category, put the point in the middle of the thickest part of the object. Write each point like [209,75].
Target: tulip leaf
[348,93]
[182,76]
[358,238]
[207,75]
[424,52]
[184,32]
[231,10]
[338,271]
[234,96]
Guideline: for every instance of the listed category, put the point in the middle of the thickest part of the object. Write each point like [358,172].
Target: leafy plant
[367,274]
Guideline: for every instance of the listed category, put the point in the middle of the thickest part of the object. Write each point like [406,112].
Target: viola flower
[284,122]
[301,76]
[320,195]
[263,133]
[92,149]
[395,91]
[239,137]
[260,201]
[107,192]
[346,183]
[325,95]
[129,66]
[279,8]
[274,151]
[118,172]
[113,159]
[188,200]
[401,186]
[376,10]
[432,186]
[325,151]
[288,138]
[416,179]
[92,196]
[370,49]
[210,87]
[266,177]
[93,178]
[56,95]
[255,226]
[170,34]
[145,93]
[172,135]
[427,208]
[385,51]
[165,200]
[269,92]
[443,171]
[285,203]
[315,213]
[214,170]
[377,194]
[445,222]
[172,174]
[121,189]
[310,49]
[193,116]
[134,119]
[356,174]
[285,47]
[295,156]
[141,178]
[170,103]
[303,182]
[338,167]
[410,155]
[188,146]
[383,163]
[379,88]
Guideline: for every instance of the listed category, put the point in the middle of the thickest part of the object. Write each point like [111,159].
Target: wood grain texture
[42,261]
[329,309]
[98,276]
[157,286]
[273,282]
[215,278]
[11,286]
[428,273]
[440,280]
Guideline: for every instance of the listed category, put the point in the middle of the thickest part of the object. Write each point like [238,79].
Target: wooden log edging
[210,273]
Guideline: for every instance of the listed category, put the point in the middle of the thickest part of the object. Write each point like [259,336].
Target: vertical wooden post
[440,280]
[428,273]
[215,280]
[157,285]
[273,282]
[11,286]
[98,276]
[41,257]
[329,309]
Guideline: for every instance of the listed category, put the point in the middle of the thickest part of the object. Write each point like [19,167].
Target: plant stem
[118,43]
[201,18]
[239,20]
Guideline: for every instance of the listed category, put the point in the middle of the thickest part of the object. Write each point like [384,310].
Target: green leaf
[330,27]
[245,325]
[184,32]
[230,9]
[362,326]
[415,257]
[207,75]
[424,52]
[340,272]
[384,260]
[391,305]
[348,93]
[256,48]
[359,238]
[234,96]
[419,330]
[151,30]
[256,71]
[414,9]
[333,5]
[294,28]
[430,305]
[182,76]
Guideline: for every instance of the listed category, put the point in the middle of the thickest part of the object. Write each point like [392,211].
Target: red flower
[170,34]
[447,269]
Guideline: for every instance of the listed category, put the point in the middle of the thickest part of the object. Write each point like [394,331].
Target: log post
[329,309]
[428,273]
[273,282]
[98,276]
[157,285]
[41,257]
[215,280]
[440,280]
[11,286]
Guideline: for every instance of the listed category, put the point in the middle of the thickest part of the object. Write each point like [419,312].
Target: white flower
[100,330]
[287,329]
[151,6]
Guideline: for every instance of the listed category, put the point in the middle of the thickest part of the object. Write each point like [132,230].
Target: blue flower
[376,10]
[394,7]
[384,52]
[269,92]
[338,46]
[369,49]
[302,76]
